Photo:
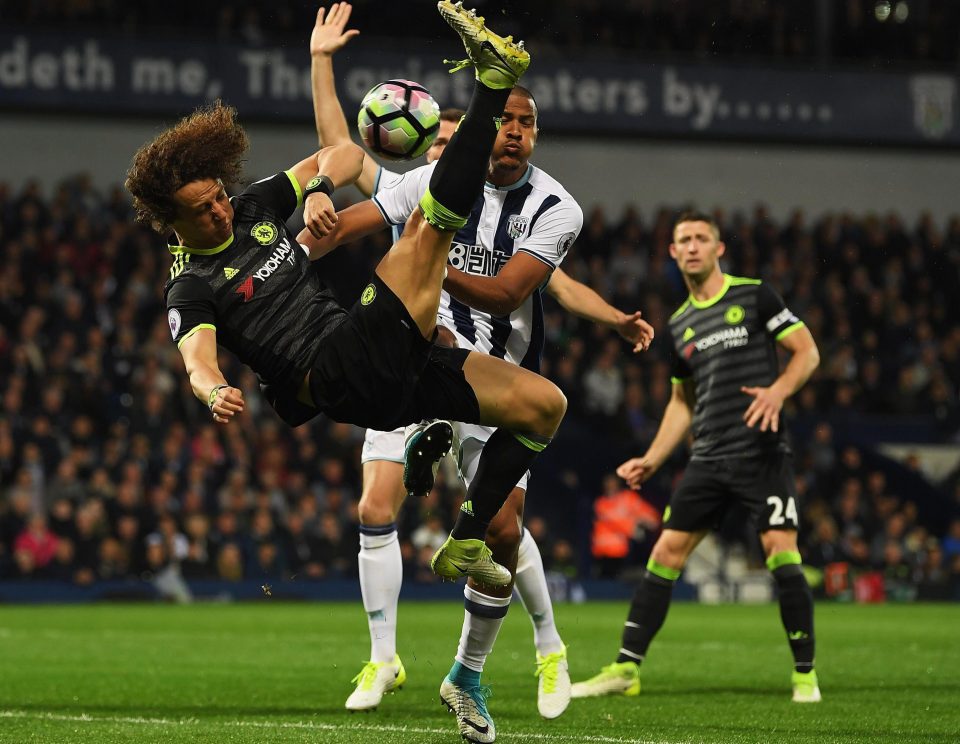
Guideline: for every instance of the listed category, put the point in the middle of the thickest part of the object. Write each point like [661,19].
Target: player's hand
[227,404]
[636,470]
[319,214]
[328,35]
[638,332]
[765,408]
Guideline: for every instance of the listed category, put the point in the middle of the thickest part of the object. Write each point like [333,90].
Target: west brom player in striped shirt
[727,390]
[518,232]
[383,494]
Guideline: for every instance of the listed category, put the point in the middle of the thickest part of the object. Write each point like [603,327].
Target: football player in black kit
[240,279]
[728,392]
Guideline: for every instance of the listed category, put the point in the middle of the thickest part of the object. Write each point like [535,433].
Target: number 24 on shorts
[782,513]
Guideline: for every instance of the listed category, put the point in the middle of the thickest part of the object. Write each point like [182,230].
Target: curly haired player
[240,279]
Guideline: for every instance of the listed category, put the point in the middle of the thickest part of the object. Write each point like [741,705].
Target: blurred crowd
[855,523]
[110,468]
[866,32]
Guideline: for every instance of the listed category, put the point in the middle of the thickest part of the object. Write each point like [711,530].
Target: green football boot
[374,681]
[615,679]
[498,61]
[806,689]
[553,687]
[459,558]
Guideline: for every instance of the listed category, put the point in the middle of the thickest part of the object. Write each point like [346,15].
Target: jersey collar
[201,251]
[702,304]
[523,179]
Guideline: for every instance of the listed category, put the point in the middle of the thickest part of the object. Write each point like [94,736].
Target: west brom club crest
[517,225]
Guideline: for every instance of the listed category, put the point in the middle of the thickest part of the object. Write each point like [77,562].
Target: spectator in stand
[824,546]
[63,567]
[603,385]
[622,519]
[302,550]
[951,543]
[38,541]
[230,563]
[336,554]
[267,562]
[198,561]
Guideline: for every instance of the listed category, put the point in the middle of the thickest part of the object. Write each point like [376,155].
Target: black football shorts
[764,485]
[376,369]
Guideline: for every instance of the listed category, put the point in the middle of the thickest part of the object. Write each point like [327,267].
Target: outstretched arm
[327,38]
[579,299]
[676,422]
[199,352]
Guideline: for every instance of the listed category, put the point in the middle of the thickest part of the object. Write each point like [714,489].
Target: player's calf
[504,535]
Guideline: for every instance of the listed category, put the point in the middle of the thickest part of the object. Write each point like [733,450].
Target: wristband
[321,184]
[212,398]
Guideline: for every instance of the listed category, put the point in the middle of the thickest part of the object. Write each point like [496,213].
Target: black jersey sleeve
[280,193]
[190,307]
[679,369]
[778,319]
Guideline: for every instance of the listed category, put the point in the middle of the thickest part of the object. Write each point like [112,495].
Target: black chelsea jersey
[725,343]
[257,290]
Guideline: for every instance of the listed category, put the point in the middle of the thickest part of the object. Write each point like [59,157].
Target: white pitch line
[312,725]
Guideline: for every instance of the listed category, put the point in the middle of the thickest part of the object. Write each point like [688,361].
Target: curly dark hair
[207,144]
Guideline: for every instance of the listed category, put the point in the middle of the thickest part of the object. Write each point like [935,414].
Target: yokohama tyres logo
[729,337]
[283,252]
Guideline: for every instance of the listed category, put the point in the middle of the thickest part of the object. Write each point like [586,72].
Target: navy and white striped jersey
[535,215]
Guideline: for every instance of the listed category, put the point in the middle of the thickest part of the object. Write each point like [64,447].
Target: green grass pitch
[275,672]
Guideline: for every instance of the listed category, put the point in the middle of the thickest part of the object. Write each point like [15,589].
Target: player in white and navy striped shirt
[507,252]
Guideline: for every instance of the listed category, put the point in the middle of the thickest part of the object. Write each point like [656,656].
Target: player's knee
[778,541]
[557,403]
[376,508]
[548,405]
[668,555]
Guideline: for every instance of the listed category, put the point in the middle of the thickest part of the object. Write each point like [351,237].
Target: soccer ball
[398,119]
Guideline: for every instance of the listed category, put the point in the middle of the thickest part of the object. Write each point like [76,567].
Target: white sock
[482,619]
[381,574]
[530,582]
